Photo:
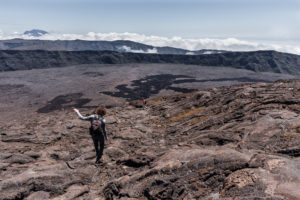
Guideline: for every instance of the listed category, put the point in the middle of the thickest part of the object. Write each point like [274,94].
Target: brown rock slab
[38,196]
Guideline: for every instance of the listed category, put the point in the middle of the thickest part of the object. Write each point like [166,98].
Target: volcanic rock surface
[234,142]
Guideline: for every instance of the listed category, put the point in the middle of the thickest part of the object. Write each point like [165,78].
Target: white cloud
[208,52]
[128,49]
[231,44]
[190,53]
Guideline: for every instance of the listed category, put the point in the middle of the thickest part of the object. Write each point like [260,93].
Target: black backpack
[96,126]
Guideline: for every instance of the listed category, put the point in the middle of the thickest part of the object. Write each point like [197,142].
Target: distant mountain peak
[35,32]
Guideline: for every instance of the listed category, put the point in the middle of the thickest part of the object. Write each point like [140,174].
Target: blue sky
[258,19]
[251,20]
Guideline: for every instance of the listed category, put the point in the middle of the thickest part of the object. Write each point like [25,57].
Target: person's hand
[75,109]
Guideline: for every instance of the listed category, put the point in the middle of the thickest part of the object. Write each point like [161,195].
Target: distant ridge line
[101,45]
[258,61]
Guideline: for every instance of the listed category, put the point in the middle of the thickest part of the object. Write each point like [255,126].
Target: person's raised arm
[82,117]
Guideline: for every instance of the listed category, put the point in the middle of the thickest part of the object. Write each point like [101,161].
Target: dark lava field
[207,133]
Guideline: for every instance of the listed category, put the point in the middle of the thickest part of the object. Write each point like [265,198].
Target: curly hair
[100,111]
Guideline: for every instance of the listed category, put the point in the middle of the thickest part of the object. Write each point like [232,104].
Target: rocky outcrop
[237,142]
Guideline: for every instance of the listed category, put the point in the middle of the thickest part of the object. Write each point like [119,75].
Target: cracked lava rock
[236,142]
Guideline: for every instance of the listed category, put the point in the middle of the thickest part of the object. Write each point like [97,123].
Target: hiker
[97,129]
[144,103]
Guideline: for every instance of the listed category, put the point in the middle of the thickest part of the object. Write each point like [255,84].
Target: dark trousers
[98,139]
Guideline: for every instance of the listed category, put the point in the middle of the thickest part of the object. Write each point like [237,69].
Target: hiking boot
[98,161]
